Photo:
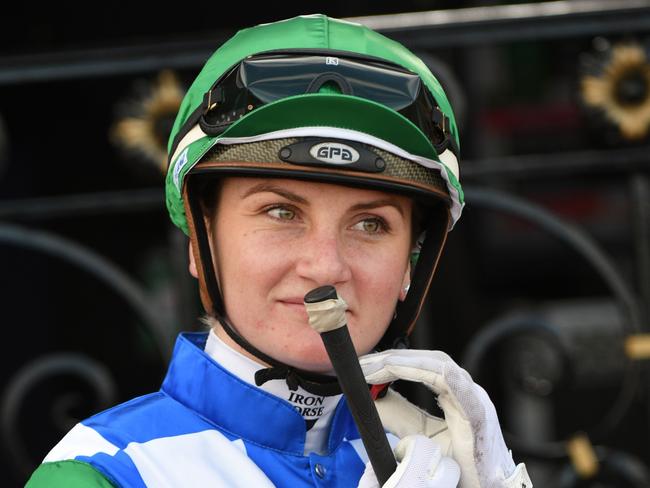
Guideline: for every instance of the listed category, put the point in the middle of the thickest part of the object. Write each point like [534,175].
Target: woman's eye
[371,225]
[282,213]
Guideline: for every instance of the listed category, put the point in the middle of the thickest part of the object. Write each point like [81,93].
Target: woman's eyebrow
[379,203]
[269,187]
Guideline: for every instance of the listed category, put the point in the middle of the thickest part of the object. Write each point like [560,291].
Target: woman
[307,152]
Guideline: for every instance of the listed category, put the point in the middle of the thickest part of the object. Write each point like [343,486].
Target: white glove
[420,465]
[473,426]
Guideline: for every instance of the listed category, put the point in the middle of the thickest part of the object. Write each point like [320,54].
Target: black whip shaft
[340,350]
[348,371]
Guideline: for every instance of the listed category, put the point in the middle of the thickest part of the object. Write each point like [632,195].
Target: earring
[406,288]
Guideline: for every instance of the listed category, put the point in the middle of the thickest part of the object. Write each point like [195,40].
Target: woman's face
[276,239]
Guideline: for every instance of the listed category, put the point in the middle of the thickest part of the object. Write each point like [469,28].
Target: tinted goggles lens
[265,78]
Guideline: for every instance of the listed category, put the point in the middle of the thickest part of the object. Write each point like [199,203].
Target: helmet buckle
[211,103]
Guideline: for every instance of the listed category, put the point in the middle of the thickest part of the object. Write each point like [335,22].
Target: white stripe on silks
[189,460]
[239,444]
[80,441]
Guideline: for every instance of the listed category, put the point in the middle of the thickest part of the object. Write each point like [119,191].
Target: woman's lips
[294,304]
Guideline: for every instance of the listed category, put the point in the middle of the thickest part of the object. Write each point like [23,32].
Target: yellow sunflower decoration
[622,89]
[145,132]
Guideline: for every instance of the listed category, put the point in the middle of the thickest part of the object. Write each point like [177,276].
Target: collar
[243,410]
[317,410]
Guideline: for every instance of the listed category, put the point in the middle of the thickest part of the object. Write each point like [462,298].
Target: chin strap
[314,383]
[408,310]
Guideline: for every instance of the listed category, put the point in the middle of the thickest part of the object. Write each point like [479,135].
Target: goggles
[264,78]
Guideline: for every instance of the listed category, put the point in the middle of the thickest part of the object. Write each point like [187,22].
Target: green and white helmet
[320,99]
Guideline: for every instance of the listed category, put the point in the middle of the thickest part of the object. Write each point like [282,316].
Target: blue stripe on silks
[196,380]
[347,465]
[145,418]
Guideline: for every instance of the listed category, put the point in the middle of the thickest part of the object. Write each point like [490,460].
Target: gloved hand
[420,465]
[472,424]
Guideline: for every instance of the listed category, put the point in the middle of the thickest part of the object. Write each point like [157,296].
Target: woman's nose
[323,260]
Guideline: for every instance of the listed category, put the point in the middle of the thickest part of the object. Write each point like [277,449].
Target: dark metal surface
[587,248]
[564,164]
[526,167]
[33,376]
[418,30]
[115,61]
[101,268]
[640,190]
[82,204]
[519,22]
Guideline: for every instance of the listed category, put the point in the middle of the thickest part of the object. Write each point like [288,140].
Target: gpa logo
[334,153]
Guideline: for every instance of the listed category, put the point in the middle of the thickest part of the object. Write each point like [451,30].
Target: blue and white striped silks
[207,428]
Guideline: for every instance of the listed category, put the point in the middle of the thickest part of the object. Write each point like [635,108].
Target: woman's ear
[406,283]
[192,266]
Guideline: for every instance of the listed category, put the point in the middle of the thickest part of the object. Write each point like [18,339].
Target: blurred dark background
[542,293]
